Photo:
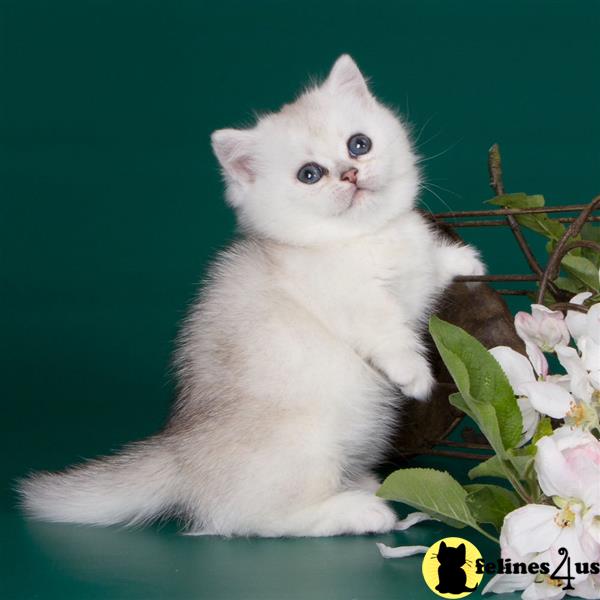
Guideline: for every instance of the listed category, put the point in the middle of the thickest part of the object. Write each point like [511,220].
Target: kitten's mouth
[357,197]
[358,193]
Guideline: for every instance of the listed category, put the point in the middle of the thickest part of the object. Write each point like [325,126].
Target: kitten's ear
[345,78]
[235,150]
[462,550]
[443,546]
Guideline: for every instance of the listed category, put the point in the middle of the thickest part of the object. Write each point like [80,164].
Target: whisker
[445,189]
[424,185]
[426,206]
[424,143]
[423,129]
[452,146]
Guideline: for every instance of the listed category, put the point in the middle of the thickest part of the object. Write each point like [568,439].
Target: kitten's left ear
[235,149]
[345,78]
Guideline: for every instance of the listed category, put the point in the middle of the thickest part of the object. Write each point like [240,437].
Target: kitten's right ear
[235,150]
[443,546]
[345,78]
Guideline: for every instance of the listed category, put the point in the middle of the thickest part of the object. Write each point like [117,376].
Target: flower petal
[555,476]
[570,538]
[412,519]
[503,584]
[576,321]
[552,329]
[530,528]
[590,353]
[531,418]
[542,591]
[589,589]
[593,322]
[400,551]
[570,360]
[537,358]
[580,298]
[516,367]
[526,326]
[548,398]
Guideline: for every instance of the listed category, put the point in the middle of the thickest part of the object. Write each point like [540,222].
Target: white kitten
[290,361]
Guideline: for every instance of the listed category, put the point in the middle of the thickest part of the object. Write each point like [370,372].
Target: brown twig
[497,184]
[508,292]
[468,445]
[497,278]
[568,306]
[511,211]
[561,248]
[502,222]
[448,453]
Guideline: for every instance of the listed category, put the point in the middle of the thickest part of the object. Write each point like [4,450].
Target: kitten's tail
[132,487]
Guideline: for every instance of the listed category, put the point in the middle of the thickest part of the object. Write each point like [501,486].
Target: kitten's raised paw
[420,387]
[413,376]
[466,262]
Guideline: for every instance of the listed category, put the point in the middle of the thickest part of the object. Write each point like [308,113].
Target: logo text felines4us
[562,575]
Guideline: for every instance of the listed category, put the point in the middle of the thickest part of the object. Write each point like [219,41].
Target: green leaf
[518,200]
[522,460]
[490,503]
[582,270]
[551,246]
[492,467]
[543,429]
[483,386]
[435,492]
[459,402]
[568,284]
[591,233]
[542,224]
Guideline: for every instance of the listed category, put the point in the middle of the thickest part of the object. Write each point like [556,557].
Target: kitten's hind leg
[349,512]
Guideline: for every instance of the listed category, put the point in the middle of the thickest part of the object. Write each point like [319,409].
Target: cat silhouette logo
[449,568]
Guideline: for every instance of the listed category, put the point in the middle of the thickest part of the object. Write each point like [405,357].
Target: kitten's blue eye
[311,173]
[359,144]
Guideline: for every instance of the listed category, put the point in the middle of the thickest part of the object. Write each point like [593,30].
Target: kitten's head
[450,556]
[332,165]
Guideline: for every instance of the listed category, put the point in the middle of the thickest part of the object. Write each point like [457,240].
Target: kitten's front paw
[413,376]
[466,262]
[420,387]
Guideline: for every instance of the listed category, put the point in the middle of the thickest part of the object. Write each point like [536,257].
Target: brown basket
[487,318]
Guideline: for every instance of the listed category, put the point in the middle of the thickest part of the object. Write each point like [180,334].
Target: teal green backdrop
[111,207]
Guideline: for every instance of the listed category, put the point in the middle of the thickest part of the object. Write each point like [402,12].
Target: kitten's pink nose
[350,175]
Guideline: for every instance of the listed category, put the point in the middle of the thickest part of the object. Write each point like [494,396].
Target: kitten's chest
[365,276]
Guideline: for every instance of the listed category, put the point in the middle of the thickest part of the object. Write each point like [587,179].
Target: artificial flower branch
[544,431]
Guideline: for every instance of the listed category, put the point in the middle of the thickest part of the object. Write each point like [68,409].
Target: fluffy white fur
[290,361]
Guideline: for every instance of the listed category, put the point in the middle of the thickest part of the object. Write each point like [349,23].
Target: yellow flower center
[555,582]
[576,415]
[565,518]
